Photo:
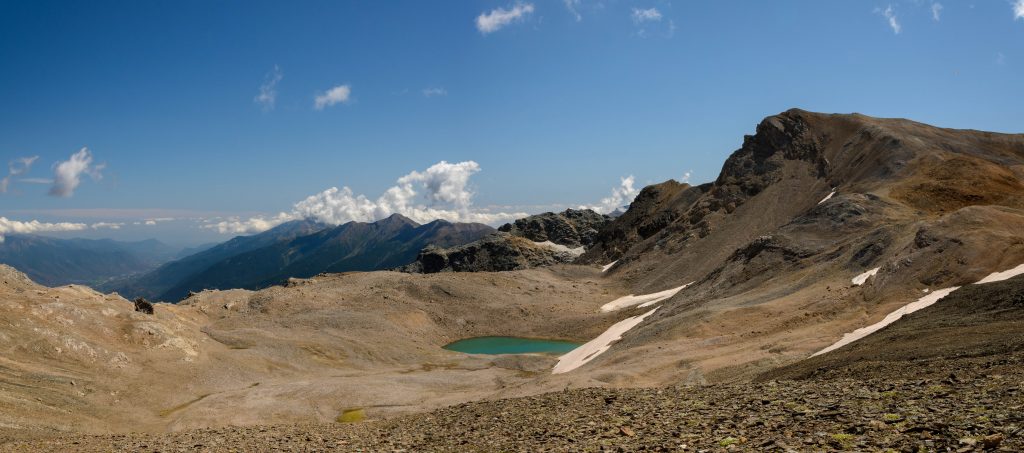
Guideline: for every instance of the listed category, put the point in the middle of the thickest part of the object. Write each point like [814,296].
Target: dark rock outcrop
[534,241]
[655,207]
[144,306]
[497,252]
[571,228]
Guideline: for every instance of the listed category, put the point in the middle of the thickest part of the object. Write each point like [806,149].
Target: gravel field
[979,406]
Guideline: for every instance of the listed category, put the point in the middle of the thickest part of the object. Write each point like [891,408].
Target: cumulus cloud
[646,15]
[686,177]
[109,225]
[442,191]
[621,196]
[937,11]
[890,16]
[236,225]
[67,175]
[431,92]
[35,226]
[498,18]
[1018,10]
[16,167]
[268,90]
[337,95]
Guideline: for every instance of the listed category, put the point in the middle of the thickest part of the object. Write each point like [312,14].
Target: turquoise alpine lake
[511,345]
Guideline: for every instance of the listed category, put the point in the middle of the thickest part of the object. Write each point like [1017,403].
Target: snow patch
[828,196]
[1000,276]
[923,302]
[860,279]
[609,266]
[643,300]
[593,348]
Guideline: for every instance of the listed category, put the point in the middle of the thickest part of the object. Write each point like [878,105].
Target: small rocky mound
[571,228]
[498,252]
[143,306]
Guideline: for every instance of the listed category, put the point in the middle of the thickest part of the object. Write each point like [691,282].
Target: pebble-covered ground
[977,407]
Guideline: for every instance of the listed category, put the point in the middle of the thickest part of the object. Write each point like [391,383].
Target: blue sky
[554,101]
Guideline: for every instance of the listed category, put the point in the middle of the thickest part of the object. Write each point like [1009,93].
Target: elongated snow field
[1000,276]
[593,348]
[923,302]
[643,300]
[609,266]
[827,197]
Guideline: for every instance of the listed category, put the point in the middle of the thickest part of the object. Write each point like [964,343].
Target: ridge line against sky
[555,99]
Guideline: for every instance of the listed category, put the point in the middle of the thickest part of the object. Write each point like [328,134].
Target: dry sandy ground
[77,360]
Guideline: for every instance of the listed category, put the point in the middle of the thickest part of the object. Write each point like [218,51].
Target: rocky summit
[846,283]
[534,241]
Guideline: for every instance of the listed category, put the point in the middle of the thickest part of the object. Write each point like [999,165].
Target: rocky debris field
[979,406]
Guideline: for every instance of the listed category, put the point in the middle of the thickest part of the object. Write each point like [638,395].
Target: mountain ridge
[300,249]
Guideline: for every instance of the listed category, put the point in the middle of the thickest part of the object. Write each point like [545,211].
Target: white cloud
[235,225]
[574,8]
[67,175]
[35,226]
[646,15]
[1018,10]
[439,192]
[336,95]
[621,196]
[498,18]
[890,16]
[649,23]
[686,176]
[112,226]
[937,11]
[431,92]
[268,90]
[16,167]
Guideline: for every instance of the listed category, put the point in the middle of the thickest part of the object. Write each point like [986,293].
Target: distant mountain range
[55,262]
[298,249]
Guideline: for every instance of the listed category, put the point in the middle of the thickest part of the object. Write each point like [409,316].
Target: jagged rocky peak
[571,228]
